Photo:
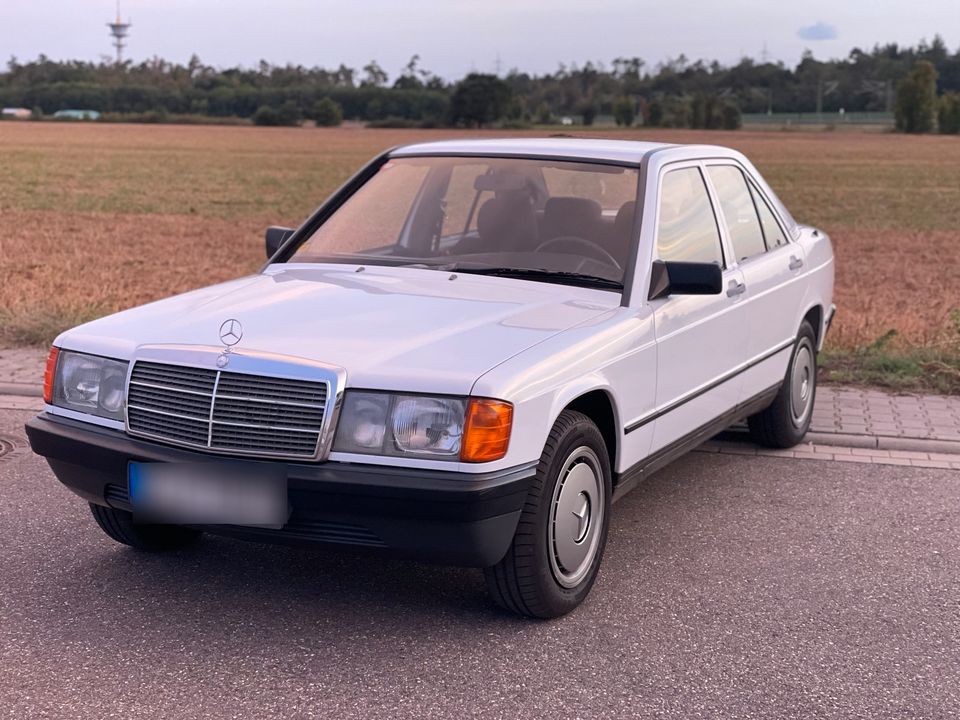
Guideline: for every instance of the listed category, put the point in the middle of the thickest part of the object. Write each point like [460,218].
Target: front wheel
[786,421]
[555,554]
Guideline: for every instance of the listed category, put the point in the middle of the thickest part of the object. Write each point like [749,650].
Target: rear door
[771,267]
[701,339]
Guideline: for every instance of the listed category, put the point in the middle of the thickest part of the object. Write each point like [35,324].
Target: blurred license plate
[212,493]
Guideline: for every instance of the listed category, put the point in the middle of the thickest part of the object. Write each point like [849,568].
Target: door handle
[736,288]
[795,262]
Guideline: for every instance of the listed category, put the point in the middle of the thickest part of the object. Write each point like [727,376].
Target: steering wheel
[596,250]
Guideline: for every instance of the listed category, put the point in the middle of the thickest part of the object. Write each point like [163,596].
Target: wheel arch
[814,315]
[598,404]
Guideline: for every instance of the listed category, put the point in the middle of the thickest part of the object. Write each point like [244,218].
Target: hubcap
[802,381]
[576,517]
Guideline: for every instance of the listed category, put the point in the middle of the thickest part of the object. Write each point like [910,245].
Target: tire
[786,421]
[556,552]
[119,525]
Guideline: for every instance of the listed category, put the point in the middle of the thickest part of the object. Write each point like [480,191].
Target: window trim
[773,212]
[755,186]
[699,166]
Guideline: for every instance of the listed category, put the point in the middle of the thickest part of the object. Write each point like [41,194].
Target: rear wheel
[119,525]
[786,421]
[555,555]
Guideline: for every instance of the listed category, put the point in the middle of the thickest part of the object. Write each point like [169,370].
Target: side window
[775,237]
[734,196]
[460,198]
[687,229]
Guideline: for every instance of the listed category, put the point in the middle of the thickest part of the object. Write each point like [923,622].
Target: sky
[454,37]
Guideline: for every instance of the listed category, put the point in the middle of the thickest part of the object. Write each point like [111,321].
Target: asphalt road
[732,587]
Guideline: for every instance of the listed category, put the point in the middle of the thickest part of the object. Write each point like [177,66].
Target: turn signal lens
[486,433]
[49,373]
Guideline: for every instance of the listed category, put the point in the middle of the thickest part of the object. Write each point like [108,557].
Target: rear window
[610,190]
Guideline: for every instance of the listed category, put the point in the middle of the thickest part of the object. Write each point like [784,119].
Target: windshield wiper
[555,276]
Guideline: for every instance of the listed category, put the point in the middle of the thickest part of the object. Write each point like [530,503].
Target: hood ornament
[230,333]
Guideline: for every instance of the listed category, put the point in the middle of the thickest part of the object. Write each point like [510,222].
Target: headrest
[575,216]
[507,222]
[572,208]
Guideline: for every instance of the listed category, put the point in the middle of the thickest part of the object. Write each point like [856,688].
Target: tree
[666,94]
[949,114]
[413,76]
[655,115]
[915,109]
[732,119]
[624,111]
[544,116]
[588,110]
[287,115]
[376,76]
[479,100]
[327,113]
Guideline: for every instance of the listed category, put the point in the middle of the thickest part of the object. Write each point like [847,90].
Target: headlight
[422,426]
[90,384]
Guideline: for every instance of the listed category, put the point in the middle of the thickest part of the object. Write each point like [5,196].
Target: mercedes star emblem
[582,514]
[230,332]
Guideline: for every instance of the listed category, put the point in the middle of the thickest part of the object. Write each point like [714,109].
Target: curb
[21,389]
[884,442]
[870,442]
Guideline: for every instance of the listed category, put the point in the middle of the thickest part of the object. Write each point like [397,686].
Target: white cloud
[817,31]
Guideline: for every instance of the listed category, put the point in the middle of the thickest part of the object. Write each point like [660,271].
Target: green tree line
[677,93]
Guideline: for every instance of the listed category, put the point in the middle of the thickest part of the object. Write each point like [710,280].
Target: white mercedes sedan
[466,355]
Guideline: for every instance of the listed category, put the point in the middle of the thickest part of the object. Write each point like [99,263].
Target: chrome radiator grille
[226,411]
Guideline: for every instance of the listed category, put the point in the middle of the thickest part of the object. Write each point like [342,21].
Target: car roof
[619,151]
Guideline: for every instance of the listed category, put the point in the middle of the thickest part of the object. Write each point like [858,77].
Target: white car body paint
[537,345]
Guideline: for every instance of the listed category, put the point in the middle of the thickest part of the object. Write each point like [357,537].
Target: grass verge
[39,326]
[920,370]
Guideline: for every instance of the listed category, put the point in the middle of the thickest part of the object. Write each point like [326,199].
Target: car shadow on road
[268,589]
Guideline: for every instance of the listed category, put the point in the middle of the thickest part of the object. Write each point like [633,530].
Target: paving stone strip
[22,365]
[854,411]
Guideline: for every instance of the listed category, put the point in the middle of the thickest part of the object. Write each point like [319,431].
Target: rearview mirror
[276,236]
[685,278]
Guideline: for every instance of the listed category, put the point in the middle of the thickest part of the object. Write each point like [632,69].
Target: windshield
[561,221]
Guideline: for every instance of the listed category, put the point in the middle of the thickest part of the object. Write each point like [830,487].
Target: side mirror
[685,278]
[276,236]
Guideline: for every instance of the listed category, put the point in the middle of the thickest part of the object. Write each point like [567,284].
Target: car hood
[389,328]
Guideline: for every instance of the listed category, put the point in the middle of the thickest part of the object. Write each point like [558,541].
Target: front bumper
[438,516]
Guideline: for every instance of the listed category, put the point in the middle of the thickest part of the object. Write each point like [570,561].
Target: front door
[701,339]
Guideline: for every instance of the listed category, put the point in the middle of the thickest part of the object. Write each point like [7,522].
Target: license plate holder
[209,493]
